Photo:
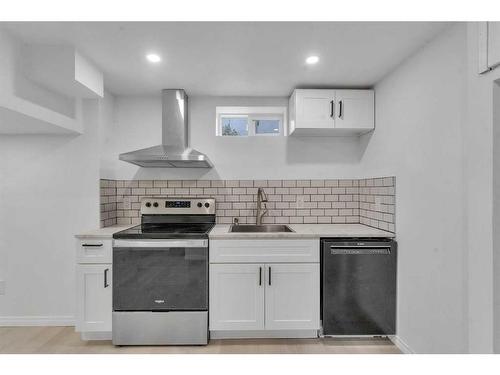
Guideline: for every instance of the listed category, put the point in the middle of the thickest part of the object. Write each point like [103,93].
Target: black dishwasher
[358,289]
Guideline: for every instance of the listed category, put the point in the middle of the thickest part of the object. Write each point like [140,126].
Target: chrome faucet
[261,198]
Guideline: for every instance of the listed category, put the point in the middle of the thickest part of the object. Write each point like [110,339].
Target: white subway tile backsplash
[203,183]
[311,190]
[303,183]
[282,220]
[367,201]
[282,191]
[274,183]
[317,198]
[246,183]
[310,220]
[324,220]
[317,183]
[160,183]
[217,183]
[332,183]
[345,183]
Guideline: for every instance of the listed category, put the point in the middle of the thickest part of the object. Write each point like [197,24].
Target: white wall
[13,81]
[419,117]
[138,125]
[108,131]
[496,217]
[49,191]
[478,148]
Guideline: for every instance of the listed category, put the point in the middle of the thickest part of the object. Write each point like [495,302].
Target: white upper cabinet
[355,110]
[331,112]
[314,109]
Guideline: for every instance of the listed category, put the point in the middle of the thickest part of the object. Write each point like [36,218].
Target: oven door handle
[160,243]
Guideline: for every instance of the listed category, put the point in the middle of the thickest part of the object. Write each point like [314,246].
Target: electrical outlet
[2,287]
[299,202]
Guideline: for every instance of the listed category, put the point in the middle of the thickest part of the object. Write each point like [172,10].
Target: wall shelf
[19,116]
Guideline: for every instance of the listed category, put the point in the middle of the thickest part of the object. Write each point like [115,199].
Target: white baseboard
[19,321]
[279,334]
[87,336]
[401,345]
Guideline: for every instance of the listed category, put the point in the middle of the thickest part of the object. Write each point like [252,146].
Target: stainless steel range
[160,274]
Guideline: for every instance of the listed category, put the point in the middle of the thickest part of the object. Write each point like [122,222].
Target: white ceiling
[248,59]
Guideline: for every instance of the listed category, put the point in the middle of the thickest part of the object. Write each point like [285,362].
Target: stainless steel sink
[260,228]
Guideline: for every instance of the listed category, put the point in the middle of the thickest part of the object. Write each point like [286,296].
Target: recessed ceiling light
[154,58]
[312,60]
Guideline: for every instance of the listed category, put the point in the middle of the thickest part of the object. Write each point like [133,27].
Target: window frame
[252,114]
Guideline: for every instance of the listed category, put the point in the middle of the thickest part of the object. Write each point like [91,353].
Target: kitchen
[246,243]
[184,197]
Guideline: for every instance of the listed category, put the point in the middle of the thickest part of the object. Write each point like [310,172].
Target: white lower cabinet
[264,297]
[292,296]
[94,297]
[94,302]
[236,297]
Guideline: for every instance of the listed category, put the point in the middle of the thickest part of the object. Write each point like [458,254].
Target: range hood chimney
[174,151]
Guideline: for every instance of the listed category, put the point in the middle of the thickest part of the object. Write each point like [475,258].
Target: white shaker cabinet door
[355,109]
[292,296]
[315,109]
[236,297]
[94,297]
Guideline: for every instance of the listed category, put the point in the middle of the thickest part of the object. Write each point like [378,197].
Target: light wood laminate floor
[62,340]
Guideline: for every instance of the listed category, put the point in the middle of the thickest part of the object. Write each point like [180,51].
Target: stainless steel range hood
[174,151]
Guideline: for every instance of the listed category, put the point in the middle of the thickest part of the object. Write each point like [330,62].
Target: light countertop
[104,232]
[221,231]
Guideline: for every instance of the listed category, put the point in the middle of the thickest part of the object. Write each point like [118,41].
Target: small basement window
[250,121]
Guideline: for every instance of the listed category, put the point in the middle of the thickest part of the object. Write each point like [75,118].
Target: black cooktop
[166,231]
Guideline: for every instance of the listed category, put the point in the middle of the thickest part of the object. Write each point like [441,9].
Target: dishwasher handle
[360,251]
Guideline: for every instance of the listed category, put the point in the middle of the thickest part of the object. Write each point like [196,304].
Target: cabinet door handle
[341,109]
[106,277]
[91,244]
[269,275]
[260,276]
[332,108]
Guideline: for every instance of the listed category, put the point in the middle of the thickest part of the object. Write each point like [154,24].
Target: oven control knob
[207,205]
[148,204]
[155,204]
[199,204]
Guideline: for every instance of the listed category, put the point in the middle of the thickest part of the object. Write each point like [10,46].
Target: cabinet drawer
[94,251]
[264,251]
